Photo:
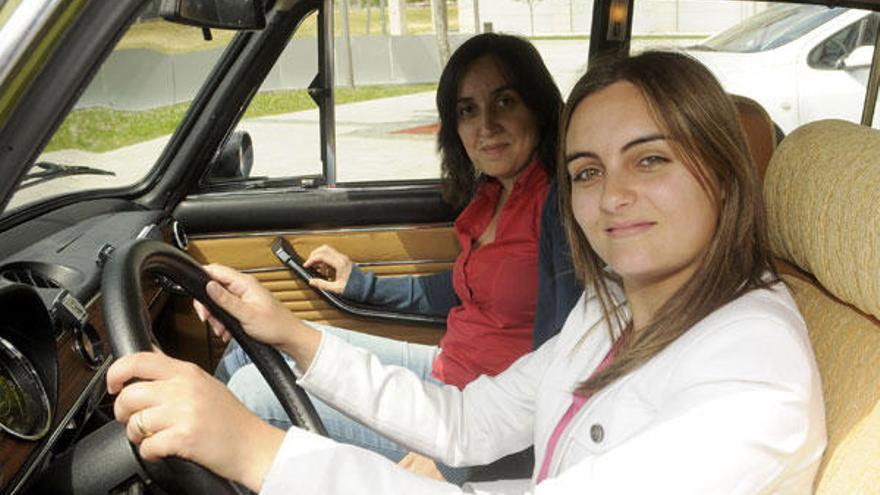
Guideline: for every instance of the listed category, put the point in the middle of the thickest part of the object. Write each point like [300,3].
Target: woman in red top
[499,112]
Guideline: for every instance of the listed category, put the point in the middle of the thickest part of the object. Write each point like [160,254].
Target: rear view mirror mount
[220,14]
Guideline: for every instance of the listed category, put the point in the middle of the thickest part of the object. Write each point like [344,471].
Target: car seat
[822,190]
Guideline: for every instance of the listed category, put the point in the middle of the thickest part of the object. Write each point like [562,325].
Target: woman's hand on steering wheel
[177,409]
[261,315]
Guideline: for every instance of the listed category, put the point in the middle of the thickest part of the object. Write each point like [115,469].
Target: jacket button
[597,433]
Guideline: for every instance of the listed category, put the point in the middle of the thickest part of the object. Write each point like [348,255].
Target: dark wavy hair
[522,67]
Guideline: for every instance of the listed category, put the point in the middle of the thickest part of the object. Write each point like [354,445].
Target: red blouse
[497,283]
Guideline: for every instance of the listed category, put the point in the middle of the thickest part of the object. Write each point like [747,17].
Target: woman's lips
[494,149]
[628,229]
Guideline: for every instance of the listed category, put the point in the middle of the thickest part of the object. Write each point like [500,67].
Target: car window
[125,116]
[386,75]
[385,123]
[282,119]
[833,52]
[776,26]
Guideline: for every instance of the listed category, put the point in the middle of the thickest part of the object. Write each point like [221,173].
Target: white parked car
[802,62]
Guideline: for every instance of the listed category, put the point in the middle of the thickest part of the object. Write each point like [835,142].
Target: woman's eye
[465,110]
[586,175]
[652,161]
[505,101]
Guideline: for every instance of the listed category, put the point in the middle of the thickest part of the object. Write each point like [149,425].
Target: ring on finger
[139,424]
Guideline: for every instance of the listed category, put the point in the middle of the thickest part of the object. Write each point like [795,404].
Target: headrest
[759,130]
[822,190]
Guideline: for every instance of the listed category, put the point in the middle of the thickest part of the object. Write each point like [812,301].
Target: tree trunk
[532,15]
[346,44]
[441,28]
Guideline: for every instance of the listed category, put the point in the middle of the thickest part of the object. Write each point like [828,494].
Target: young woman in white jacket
[685,368]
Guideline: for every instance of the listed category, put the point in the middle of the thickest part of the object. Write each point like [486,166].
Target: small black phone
[291,259]
[286,254]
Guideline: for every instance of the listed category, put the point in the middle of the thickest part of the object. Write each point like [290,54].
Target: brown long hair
[690,107]
[525,72]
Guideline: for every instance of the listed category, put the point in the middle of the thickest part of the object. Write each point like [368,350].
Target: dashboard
[53,349]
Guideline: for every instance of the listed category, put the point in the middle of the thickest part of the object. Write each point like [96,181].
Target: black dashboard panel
[50,312]
[20,237]
[71,259]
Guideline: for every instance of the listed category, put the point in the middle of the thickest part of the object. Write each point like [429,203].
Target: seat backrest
[822,190]
[759,129]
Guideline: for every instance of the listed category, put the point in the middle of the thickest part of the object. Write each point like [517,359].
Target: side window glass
[831,52]
[386,75]
[856,40]
[392,137]
[282,120]
[393,57]
[386,67]
[385,125]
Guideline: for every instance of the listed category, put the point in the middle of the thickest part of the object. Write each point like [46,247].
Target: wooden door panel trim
[387,251]
[373,247]
[376,266]
[328,231]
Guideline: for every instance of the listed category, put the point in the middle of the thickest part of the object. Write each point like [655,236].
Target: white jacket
[733,406]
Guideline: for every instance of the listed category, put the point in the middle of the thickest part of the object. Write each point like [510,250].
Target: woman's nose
[618,191]
[489,122]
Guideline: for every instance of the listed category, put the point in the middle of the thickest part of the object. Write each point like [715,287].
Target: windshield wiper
[46,171]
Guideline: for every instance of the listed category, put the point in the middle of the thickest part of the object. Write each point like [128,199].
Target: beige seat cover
[823,199]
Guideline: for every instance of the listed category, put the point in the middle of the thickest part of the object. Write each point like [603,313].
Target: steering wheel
[128,327]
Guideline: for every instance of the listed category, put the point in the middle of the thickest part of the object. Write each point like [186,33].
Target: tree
[346,41]
[531,5]
[441,28]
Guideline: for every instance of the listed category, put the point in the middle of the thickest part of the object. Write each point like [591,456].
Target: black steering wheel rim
[127,323]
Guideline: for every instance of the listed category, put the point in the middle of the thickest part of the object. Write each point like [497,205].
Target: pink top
[577,402]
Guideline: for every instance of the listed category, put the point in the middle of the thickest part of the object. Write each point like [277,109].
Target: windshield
[124,118]
[776,26]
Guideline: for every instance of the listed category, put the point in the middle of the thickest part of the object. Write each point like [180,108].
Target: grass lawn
[168,37]
[102,129]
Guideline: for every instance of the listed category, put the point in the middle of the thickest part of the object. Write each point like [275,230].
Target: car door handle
[292,260]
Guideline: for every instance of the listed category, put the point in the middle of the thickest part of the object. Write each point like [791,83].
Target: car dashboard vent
[29,277]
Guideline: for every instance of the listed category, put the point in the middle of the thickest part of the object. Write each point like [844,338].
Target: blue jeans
[248,385]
